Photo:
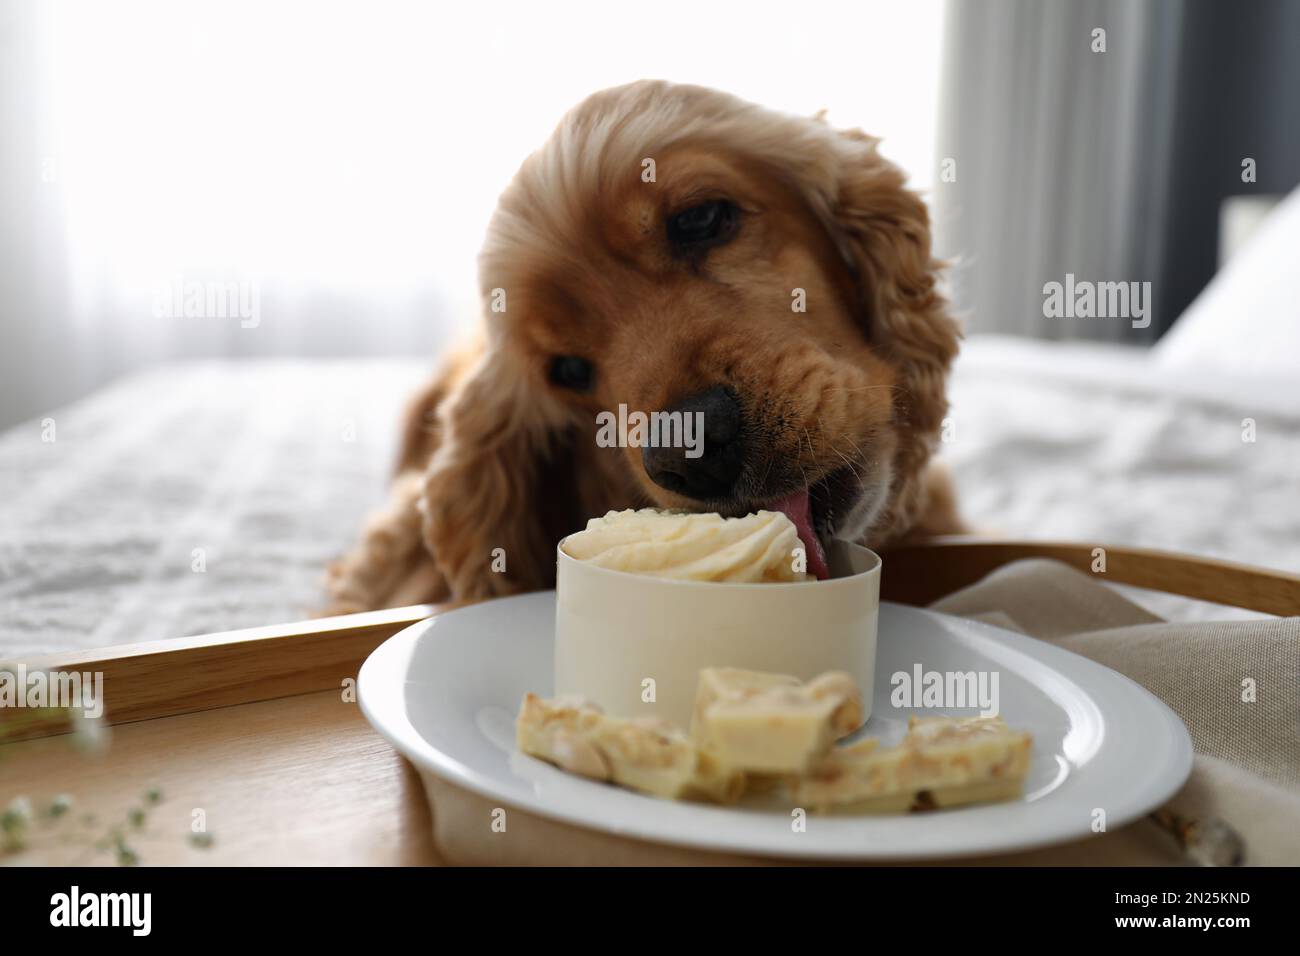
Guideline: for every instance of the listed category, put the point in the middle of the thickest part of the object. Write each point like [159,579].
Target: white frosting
[694,547]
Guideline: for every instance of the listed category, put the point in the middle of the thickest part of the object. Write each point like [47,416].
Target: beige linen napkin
[1236,686]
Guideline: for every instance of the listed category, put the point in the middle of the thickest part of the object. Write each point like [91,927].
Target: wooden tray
[259,729]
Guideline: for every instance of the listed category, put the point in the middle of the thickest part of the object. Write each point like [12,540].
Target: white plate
[444,692]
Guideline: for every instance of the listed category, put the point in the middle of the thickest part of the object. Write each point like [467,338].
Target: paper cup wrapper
[635,644]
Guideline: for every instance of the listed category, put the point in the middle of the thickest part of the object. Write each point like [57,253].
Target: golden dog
[672,248]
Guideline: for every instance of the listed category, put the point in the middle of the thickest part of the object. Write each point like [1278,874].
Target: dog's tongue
[798,509]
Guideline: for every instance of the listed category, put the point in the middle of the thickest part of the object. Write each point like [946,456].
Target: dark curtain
[1237,96]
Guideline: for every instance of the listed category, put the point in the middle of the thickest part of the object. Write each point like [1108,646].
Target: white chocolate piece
[729,683]
[645,754]
[943,761]
[771,723]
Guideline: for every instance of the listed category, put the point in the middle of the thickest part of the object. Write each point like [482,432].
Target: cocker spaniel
[673,248]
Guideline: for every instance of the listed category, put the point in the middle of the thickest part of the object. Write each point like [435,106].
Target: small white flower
[89,733]
[13,823]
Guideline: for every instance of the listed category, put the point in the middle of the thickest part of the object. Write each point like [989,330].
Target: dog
[671,249]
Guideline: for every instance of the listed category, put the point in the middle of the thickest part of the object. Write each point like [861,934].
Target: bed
[208,496]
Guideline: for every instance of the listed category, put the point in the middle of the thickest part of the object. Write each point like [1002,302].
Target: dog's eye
[569,371]
[709,223]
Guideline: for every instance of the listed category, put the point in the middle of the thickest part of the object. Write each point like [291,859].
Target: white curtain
[340,160]
[1060,141]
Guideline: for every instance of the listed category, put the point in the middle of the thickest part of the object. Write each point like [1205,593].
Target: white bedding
[1105,444]
[1100,443]
[265,466]
[252,463]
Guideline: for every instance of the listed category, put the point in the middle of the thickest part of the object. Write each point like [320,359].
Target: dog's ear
[484,522]
[882,230]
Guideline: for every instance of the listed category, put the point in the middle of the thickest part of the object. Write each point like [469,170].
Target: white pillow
[1248,318]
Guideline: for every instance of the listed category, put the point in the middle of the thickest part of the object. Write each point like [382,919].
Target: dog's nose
[709,469]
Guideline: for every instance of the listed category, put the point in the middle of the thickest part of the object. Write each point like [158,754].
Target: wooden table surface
[297,780]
